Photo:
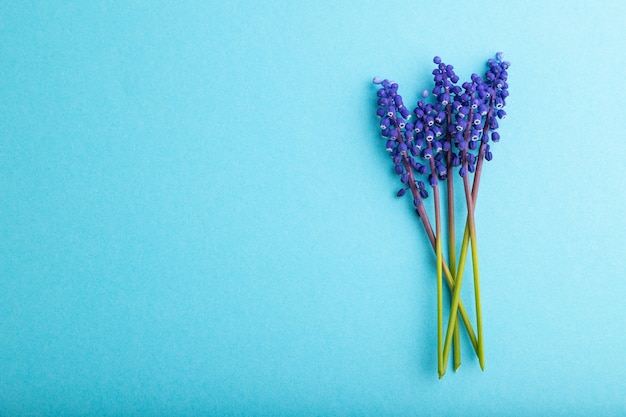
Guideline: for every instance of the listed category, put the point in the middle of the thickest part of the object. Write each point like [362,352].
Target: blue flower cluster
[453,130]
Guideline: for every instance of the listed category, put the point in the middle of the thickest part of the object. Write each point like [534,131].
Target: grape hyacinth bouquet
[449,134]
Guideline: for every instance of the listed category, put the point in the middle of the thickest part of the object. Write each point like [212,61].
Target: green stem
[429,231]
[457,289]
[472,229]
[449,280]
[440,362]
[452,254]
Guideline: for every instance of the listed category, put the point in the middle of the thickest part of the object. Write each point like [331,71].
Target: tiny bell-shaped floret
[441,169]
[495,136]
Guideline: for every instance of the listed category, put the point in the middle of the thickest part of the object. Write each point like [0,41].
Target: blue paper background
[197,216]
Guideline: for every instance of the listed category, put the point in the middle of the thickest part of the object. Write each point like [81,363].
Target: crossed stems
[469,234]
[421,211]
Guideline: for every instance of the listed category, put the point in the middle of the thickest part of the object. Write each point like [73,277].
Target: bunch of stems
[443,136]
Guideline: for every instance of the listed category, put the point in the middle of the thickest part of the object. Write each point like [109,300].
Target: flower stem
[452,234]
[435,184]
[466,235]
[472,229]
[441,365]
[449,280]
[421,212]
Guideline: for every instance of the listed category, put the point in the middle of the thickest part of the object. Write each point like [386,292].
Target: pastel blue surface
[197,215]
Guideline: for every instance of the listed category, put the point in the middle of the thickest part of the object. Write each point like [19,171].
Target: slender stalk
[435,184]
[451,232]
[475,185]
[449,280]
[472,228]
[474,196]
[429,231]
[439,284]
